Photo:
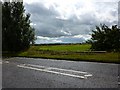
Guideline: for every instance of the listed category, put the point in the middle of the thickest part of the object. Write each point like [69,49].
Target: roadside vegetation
[106,38]
[75,52]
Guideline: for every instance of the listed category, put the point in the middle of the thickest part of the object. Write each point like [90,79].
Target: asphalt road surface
[43,73]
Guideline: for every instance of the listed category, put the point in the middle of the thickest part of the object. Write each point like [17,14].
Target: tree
[17,34]
[105,38]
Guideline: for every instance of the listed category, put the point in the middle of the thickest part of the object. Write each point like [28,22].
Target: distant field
[74,48]
[69,52]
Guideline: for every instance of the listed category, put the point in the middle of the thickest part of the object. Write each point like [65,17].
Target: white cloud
[32,24]
[63,39]
[43,40]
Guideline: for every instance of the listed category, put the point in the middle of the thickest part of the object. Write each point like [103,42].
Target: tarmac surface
[44,73]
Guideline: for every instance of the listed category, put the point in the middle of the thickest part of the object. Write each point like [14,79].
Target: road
[43,73]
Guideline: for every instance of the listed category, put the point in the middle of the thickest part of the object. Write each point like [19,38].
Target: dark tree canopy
[17,34]
[105,38]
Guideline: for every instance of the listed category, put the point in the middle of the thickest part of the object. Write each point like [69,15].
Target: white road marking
[6,61]
[88,75]
[48,69]
[45,70]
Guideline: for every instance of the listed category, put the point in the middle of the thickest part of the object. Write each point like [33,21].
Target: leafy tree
[105,38]
[17,34]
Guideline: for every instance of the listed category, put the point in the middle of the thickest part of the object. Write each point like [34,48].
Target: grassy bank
[68,52]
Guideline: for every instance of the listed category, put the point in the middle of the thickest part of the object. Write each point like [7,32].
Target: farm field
[75,52]
[73,47]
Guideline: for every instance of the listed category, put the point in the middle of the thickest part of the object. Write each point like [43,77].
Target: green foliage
[17,34]
[105,38]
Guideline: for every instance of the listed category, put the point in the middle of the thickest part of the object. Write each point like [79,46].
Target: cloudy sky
[69,21]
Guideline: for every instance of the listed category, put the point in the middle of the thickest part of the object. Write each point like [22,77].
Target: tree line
[105,38]
[17,34]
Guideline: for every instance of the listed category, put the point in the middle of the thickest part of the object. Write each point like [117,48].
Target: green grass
[68,52]
[85,47]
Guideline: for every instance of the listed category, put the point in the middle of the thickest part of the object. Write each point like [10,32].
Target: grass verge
[67,52]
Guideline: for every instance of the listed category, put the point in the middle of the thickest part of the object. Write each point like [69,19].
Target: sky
[69,21]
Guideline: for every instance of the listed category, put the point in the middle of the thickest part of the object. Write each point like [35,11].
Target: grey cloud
[119,13]
[38,8]
[47,25]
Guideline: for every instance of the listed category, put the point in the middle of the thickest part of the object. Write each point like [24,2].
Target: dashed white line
[58,69]
[48,69]
[88,75]
[45,70]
